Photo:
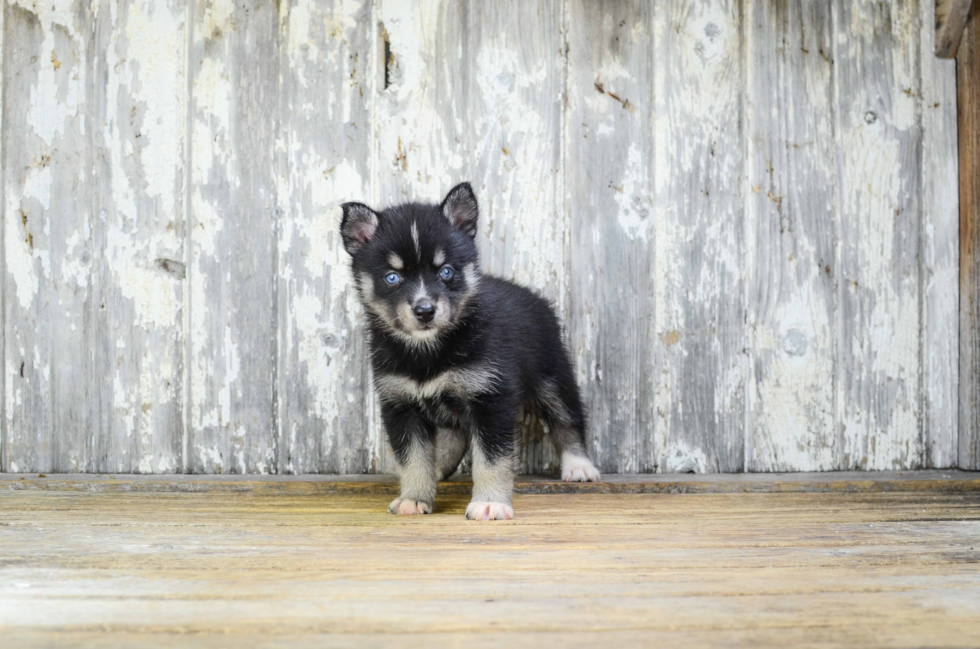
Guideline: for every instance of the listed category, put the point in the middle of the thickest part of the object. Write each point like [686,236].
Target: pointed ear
[460,208]
[357,226]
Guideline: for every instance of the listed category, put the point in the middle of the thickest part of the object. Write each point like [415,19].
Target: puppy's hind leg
[412,440]
[559,402]
[451,445]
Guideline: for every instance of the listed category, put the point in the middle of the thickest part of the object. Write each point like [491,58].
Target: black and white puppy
[456,354]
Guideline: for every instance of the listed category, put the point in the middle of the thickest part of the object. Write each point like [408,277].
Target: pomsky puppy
[457,353]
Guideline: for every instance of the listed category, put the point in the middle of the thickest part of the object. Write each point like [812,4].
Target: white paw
[409,507]
[481,511]
[576,468]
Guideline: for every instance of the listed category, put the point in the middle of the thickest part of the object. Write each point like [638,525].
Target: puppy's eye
[446,272]
[393,278]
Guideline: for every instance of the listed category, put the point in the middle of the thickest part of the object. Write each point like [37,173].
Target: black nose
[424,312]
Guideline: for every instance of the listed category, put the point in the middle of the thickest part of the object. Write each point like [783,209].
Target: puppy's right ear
[357,226]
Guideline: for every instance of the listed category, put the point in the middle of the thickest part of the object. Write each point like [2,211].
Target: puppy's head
[415,265]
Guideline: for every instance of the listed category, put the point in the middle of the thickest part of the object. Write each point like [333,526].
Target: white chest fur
[460,383]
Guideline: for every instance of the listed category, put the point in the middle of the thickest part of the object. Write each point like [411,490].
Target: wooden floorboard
[216,568]
[948,480]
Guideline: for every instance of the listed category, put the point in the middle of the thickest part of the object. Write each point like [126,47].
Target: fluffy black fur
[455,357]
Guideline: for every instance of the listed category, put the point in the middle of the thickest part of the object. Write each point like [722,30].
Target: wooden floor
[163,566]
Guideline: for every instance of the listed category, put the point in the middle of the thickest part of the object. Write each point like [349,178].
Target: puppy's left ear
[460,208]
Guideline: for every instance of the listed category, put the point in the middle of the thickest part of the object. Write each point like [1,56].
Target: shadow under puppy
[457,353]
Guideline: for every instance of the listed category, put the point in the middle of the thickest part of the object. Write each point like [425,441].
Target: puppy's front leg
[412,439]
[494,446]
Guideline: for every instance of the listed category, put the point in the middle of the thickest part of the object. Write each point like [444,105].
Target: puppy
[456,353]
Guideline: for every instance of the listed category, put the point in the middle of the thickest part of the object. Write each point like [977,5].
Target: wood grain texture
[699,236]
[48,202]
[609,179]
[939,253]
[950,18]
[968,81]
[792,223]
[850,482]
[137,266]
[232,276]
[879,139]
[743,212]
[94,251]
[223,569]
[502,64]
[4,377]
[323,386]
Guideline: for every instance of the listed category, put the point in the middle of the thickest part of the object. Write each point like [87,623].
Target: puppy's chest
[443,397]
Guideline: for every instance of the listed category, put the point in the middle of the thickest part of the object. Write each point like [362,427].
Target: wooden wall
[745,212]
[968,113]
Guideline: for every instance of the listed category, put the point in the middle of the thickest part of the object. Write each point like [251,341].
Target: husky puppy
[456,353]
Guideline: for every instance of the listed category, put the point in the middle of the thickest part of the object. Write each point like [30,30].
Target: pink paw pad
[408,507]
[486,511]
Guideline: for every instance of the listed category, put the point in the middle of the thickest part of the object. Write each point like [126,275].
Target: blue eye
[392,278]
[446,272]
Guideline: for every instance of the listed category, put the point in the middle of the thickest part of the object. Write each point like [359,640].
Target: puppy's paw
[575,468]
[484,511]
[409,507]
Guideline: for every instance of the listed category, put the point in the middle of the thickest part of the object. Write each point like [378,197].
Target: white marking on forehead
[421,293]
[440,258]
[395,261]
[415,238]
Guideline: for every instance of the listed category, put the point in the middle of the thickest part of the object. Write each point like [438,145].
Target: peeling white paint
[684,459]
[718,343]
[20,259]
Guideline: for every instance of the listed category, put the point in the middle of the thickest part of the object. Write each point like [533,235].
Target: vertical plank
[232,276]
[609,187]
[880,152]
[698,234]
[474,93]
[968,117]
[939,255]
[49,202]
[949,17]
[6,376]
[323,381]
[791,226]
[137,273]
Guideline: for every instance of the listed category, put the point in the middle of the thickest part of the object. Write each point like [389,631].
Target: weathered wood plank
[137,275]
[791,225]
[474,93]
[233,569]
[323,382]
[850,482]
[968,115]
[234,127]
[698,235]
[949,18]
[6,375]
[50,127]
[96,167]
[609,175]
[939,253]
[879,377]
